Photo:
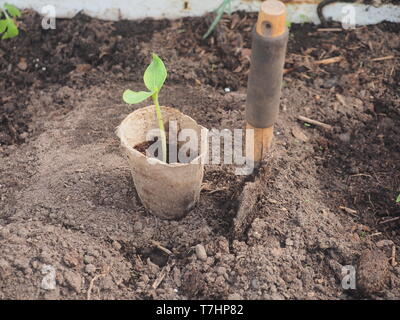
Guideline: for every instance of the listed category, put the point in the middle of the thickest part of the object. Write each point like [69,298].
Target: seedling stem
[154,78]
[162,128]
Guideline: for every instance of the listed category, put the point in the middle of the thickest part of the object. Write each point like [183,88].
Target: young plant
[8,14]
[225,6]
[398,199]
[154,78]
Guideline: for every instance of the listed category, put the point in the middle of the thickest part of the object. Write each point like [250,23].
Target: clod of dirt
[373,272]
[74,281]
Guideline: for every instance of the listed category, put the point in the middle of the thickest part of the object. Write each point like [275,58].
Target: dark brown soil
[142,147]
[323,197]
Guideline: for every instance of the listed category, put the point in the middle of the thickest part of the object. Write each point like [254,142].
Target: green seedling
[225,6]
[398,199]
[8,14]
[154,78]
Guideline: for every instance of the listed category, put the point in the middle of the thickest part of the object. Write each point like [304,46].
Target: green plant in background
[398,199]
[8,14]
[224,7]
[303,18]
[154,78]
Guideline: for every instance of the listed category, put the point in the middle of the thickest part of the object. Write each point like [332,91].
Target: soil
[323,200]
[144,146]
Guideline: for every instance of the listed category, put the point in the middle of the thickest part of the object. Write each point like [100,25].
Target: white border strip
[172,9]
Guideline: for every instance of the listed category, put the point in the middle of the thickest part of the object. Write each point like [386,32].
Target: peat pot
[167,190]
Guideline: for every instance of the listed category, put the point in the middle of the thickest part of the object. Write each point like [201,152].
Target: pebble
[221,271]
[289,242]
[70,260]
[49,280]
[107,282]
[201,252]
[88,259]
[4,233]
[254,284]
[116,245]
[90,268]
[344,137]
[5,269]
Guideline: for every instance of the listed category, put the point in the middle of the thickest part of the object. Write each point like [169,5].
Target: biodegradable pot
[168,191]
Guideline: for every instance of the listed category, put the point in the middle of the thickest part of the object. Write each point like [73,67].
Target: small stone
[254,284]
[344,137]
[4,233]
[235,296]
[73,280]
[201,252]
[88,259]
[90,268]
[70,260]
[5,269]
[221,271]
[49,280]
[116,245]
[35,264]
[107,282]
[145,278]
[289,242]
[22,65]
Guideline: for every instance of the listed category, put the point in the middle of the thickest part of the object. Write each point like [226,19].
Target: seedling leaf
[13,11]
[154,78]
[155,74]
[133,97]
[3,26]
[398,199]
[12,30]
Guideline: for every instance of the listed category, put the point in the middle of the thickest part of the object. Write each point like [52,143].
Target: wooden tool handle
[271,22]
[271,19]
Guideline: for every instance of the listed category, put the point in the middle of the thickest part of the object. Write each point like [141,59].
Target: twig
[329,60]
[375,234]
[330,29]
[389,220]
[315,122]
[162,275]
[348,210]
[159,246]
[383,58]
[96,277]
[393,257]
